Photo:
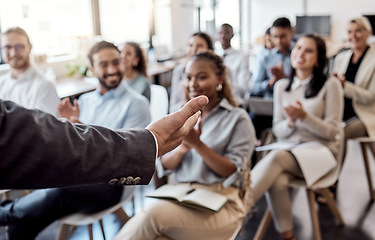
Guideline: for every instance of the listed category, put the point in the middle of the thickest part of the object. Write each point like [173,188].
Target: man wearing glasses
[24,84]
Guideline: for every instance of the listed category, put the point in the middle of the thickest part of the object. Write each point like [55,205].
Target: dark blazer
[38,150]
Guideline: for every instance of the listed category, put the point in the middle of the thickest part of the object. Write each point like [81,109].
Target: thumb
[299,104]
[192,107]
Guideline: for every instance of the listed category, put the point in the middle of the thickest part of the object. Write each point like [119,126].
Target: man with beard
[113,105]
[24,84]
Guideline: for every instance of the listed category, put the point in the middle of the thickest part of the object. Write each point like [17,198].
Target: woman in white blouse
[211,157]
[307,107]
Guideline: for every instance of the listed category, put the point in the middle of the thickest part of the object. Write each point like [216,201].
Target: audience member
[135,68]
[308,107]
[236,61]
[354,68]
[272,67]
[113,105]
[268,44]
[197,42]
[209,157]
[24,84]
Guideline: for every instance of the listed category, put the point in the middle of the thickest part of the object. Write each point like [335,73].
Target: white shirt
[30,90]
[238,64]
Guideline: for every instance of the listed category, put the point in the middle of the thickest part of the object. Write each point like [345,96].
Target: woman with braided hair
[211,157]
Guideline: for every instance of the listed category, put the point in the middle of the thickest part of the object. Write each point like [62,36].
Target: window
[55,27]
[125,20]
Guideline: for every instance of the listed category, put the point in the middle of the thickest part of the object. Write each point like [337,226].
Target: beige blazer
[363,90]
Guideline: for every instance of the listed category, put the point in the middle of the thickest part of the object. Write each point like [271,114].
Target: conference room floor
[353,201]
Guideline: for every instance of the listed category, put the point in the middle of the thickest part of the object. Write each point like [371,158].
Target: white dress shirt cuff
[156,144]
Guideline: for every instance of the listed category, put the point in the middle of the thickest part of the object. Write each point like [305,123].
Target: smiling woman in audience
[210,157]
[355,69]
[308,107]
[197,42]
[135,68]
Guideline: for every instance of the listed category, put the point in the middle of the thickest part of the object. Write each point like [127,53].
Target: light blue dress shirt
[229,132]
[118,108]
[262,73]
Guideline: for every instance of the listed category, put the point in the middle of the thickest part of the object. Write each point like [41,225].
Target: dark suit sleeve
[38,150]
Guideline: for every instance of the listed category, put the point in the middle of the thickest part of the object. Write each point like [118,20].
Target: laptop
[261,106]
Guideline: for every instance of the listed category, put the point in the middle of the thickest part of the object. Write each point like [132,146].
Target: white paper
[277,146]
[314,159]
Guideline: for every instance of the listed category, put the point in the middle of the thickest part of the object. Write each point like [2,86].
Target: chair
[158,102]
[80,219]
[323,184]
[369,143]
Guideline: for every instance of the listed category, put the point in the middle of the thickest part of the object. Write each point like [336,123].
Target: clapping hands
[66,110]
[295,112]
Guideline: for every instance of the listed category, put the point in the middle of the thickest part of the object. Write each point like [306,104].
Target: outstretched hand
[172,129]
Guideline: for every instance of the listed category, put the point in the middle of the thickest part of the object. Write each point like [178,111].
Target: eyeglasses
[17,48]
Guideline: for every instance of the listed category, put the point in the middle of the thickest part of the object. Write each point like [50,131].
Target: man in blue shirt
[113,105]
[272,67]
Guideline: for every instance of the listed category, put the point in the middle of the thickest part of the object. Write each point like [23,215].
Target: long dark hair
[319,75]
[141,66]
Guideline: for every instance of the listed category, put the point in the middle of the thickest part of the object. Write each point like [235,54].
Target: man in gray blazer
[38,150]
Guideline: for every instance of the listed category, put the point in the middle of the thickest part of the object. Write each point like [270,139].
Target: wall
[264,12]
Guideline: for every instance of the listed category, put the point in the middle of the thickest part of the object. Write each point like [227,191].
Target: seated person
[355,70]
[24,84]
[308,107]
[209,157]
[236,61]
[197,42]
[113,105]
[272,67]
[135,68]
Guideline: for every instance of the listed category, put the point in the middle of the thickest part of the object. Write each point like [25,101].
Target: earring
[219,88]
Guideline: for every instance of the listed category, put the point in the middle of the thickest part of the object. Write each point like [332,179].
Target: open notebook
[185,195]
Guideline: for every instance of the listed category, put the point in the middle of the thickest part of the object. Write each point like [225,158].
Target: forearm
[173,159]
[359,94]
[218,163]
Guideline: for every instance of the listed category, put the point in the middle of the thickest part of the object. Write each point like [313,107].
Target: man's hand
[66,110]
[171,129]
[277,72]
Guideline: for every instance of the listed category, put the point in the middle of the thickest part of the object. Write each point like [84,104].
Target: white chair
[365,143]
[158,102]
[323,184]
[80,219]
